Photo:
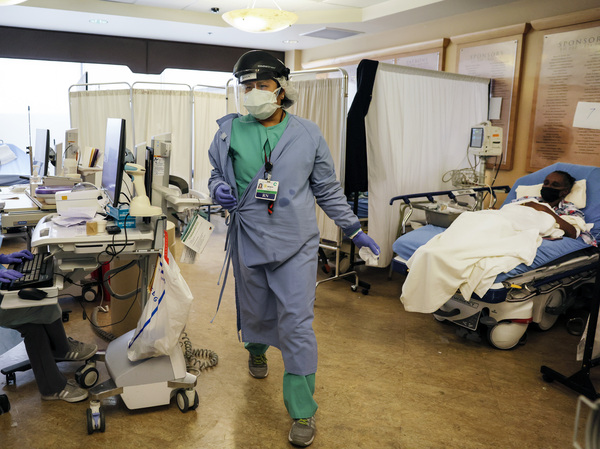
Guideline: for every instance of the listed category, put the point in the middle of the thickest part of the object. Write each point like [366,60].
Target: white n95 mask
[262,104]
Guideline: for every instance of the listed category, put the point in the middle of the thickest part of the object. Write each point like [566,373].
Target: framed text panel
[569,74]
[430,61]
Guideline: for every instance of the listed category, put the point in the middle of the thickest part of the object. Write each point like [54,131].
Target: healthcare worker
[268,169]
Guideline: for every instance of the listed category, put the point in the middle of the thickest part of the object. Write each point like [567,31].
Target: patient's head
[557,186]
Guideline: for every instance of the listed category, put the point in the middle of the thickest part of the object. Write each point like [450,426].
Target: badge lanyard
[267,189]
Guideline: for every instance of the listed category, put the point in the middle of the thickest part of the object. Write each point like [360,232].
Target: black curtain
[355,179]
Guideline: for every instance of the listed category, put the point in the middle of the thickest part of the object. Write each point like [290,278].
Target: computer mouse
[32,293]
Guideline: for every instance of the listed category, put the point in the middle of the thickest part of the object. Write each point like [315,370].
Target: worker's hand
[9,275]
[16,257]
[224,198]
[361,239]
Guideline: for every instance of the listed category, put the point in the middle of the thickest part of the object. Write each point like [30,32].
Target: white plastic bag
[164,315]
[595,347]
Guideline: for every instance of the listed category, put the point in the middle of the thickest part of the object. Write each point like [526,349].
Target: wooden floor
[386,379]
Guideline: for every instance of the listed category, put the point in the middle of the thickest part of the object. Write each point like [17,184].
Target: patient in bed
[569,219]
[480,245]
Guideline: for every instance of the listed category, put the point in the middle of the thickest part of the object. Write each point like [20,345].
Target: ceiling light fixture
[10,2]
[260,20]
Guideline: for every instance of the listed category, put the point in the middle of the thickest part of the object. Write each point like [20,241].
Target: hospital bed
[537,293]
[14,165]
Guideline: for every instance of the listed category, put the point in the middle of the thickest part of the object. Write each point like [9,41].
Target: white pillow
[6,155]
[576,196]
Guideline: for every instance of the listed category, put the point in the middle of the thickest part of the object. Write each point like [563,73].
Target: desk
[21,213]
[79,253]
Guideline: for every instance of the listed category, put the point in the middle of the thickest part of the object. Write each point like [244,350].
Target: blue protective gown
[275,256]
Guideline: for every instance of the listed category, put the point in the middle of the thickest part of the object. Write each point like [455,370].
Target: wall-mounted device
[485,140]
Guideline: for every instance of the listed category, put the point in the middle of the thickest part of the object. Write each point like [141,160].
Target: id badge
[266,190]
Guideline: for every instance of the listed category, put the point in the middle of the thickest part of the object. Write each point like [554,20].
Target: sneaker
[78,351]
[257,365]
[71,393]
[303,431]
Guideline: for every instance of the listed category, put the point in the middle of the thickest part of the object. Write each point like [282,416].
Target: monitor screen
[41,152]
[114,159]
[476,137]
[149,166]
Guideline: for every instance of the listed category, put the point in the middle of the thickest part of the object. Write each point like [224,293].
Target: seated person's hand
[224,198]
[16,257]
[9,275]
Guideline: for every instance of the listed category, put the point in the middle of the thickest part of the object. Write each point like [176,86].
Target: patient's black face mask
[549,194]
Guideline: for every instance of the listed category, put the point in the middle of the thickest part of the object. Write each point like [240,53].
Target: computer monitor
[41,152]
[114,159]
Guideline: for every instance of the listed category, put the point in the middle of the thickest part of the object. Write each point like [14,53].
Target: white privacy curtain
[323,101]
[417,129]
[209,106]
[89,110]
[166,110]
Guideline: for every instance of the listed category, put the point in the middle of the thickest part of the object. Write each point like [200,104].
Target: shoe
[78,351]
[71,393]
[303,431]
[257,365]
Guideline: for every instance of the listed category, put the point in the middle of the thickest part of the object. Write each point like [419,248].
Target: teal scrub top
[250,141]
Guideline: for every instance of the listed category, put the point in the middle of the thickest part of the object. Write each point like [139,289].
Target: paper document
[195,237]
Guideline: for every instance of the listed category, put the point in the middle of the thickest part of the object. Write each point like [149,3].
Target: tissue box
[118,213]
[130,223]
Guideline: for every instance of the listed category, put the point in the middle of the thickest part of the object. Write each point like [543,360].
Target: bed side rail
[452,194]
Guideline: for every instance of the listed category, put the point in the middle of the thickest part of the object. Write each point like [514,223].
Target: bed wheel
[553,302]
[506,334]
[354,288]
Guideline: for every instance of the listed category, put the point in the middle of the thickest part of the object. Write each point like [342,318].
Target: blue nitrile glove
[9,275]
[224,198]
[16,257]
[361,239]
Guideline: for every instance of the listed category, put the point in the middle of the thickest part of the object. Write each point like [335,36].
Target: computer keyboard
[39,272]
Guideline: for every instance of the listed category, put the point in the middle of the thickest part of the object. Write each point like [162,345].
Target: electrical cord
[193,356]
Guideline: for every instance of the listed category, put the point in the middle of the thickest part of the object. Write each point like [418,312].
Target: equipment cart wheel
[89,293]
[185,397]
[194,406]
[87,375]
[547,378]
[95,418]
[506,334]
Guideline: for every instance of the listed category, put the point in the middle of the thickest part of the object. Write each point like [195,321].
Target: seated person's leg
[49,379]
[65,348]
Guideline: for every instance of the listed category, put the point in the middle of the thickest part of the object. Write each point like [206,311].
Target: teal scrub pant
[298,391]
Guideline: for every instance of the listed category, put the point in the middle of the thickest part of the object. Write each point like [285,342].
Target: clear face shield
[256,97]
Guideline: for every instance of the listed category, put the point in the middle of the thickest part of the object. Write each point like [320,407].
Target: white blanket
[471,253]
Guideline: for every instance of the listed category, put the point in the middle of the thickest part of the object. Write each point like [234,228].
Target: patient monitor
[486,140]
